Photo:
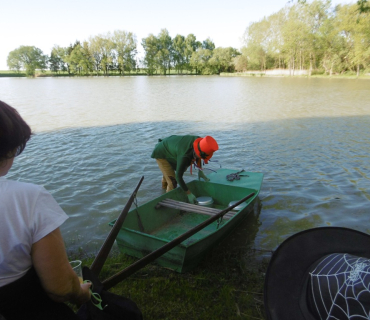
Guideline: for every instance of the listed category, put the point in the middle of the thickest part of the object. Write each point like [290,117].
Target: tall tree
[191,46]
[102,50]
[330,45]
[164,54]
[29,58]
[151,48]
[87,63]
[259,40]
[294,32]
[57,59]
[314,15]
[355,26]
[125,47]
[178,53]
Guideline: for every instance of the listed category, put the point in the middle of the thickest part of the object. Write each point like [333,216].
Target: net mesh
[340,287]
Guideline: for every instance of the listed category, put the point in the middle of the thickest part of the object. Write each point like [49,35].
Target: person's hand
[85,288]
[84,294]
[202,175]
[192,198]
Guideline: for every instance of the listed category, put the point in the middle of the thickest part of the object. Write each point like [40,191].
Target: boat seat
[189,207]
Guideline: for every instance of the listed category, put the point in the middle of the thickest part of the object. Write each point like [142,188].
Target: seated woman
[35,274]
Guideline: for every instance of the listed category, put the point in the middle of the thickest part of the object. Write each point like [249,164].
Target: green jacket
[178,151]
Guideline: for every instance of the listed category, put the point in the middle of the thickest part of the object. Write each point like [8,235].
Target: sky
[45,23]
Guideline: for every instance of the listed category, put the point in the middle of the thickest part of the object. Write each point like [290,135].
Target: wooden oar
[120,276]
[99,260]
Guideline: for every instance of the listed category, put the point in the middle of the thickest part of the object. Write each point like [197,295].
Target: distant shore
[297,73]
[40,74]
[268,73]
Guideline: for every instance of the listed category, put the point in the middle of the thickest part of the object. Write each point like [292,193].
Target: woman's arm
[52,266]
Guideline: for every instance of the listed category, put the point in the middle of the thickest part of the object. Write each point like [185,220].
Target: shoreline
[260,74]
[323,76]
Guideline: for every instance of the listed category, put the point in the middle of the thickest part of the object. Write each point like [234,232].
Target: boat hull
[148,228]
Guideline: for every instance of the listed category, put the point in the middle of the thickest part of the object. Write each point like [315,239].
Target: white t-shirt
[27,214]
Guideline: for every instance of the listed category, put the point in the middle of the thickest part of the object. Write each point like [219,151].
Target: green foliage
[302,35]
[102,52]
[150,45]
[363,6]
[222,59]
[311,36]
[164,54]
[191,46]
[56,60]
[208,44]
[199,61]
[125,48]
[178,53]
[28,58]
[240,63]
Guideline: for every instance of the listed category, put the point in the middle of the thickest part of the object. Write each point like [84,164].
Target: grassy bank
[220,288]
[11,74]
[350,75]
[39,74]
[48,73]
[228,284]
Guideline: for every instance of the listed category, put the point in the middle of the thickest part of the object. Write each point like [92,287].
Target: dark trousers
[26,299]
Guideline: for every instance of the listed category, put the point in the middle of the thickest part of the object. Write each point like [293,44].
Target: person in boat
[175,154]
[36,277]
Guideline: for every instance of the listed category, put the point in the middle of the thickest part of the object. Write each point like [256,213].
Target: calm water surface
[94,136]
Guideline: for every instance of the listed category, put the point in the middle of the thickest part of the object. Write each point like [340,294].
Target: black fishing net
[340,288]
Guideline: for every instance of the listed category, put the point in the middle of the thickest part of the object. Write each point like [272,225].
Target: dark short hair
[14,132]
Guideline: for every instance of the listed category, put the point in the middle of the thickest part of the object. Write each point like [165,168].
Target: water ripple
[93,144]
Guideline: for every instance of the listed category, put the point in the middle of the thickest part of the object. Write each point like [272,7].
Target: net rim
[286,276]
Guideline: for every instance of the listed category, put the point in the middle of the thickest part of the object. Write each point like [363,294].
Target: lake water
[94,137]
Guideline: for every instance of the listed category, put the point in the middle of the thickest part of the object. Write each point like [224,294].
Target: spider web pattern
[340,287]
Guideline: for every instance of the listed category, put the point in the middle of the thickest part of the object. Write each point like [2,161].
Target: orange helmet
[204,147]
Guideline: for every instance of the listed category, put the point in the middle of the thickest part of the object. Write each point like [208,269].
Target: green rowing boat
[156,223]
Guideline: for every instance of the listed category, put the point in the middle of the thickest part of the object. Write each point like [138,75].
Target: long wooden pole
[102,255]
[120,276]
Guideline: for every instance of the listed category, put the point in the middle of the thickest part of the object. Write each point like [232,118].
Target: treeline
[311,36]
[117,53]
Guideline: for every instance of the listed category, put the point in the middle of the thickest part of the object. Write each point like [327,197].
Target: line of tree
[303,35]
[162,53]
[311,36]
[117,52]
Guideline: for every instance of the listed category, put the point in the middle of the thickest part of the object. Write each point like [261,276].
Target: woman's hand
[84,295]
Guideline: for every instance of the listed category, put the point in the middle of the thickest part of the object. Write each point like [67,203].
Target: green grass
[347,75]
[315,74]
[228,284]
[48,73]
[8,73]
